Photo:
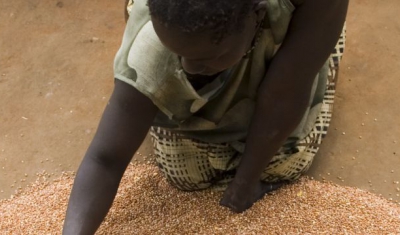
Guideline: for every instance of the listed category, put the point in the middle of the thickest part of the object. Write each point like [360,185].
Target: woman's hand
[240,196]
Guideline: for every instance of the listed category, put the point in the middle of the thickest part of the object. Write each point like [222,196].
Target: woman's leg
[184,161]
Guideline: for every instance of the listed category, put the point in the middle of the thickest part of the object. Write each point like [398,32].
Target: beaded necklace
[255,40]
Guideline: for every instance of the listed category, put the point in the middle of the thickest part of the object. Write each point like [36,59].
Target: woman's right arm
[123,126]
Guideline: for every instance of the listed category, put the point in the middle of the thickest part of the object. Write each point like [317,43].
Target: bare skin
[282,101]
[313,31]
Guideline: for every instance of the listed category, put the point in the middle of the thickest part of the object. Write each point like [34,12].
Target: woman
[237,95]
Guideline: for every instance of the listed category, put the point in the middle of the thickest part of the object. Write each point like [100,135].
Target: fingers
[239,201]
[273,186]
[269,187]
[237,208]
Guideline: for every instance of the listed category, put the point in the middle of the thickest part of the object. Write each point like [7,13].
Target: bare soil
[56,75]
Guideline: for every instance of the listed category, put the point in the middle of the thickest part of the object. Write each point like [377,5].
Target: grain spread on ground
[147,204]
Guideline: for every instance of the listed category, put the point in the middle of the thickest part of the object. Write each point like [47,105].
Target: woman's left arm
[284,94]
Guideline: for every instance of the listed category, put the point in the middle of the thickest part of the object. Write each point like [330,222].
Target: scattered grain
[150,206]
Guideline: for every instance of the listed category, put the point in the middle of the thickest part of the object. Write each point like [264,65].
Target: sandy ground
[56,76]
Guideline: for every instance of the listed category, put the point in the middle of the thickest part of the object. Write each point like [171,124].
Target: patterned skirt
[190,164]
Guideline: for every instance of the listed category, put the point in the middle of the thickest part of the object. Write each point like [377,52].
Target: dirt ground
[56,75]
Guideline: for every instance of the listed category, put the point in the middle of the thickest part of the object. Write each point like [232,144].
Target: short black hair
[222,17]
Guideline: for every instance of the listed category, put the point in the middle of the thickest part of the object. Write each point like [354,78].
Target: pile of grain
[146,204]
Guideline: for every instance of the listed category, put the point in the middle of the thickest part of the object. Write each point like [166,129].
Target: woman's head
[209,35]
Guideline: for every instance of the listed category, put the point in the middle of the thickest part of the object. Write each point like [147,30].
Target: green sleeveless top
[222,110]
